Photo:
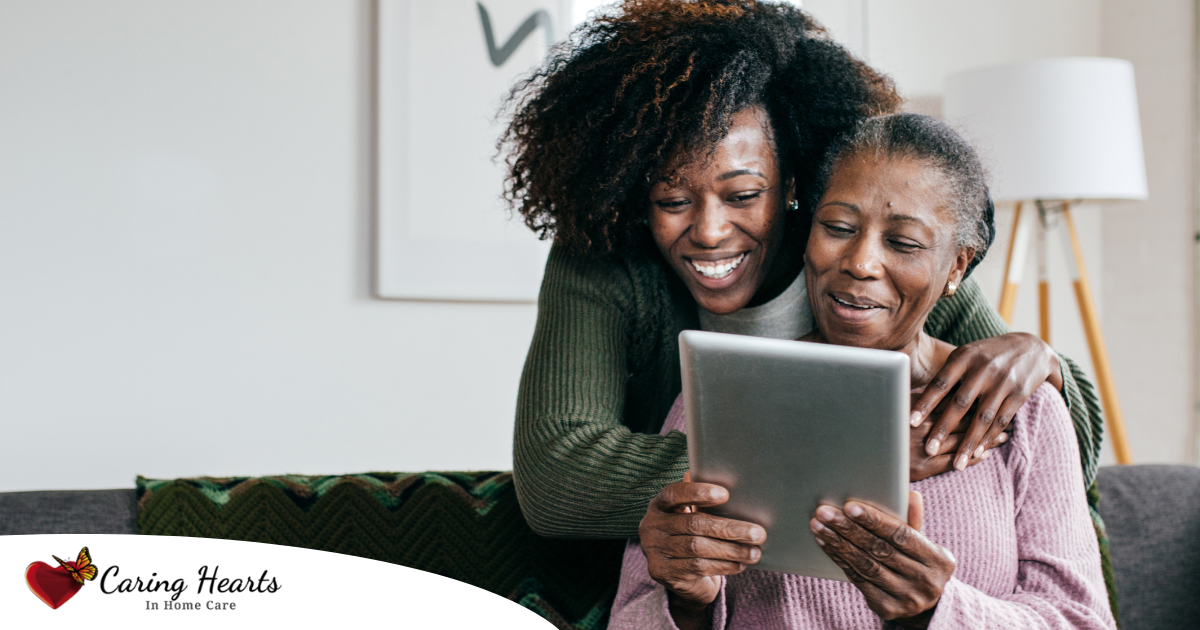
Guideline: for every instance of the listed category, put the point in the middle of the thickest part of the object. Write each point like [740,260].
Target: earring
[950,289]
[794,205]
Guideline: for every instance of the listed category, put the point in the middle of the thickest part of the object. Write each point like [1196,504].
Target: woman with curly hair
[669,149]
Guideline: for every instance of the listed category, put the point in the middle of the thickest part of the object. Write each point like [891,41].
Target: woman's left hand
[899,571]
[995,376]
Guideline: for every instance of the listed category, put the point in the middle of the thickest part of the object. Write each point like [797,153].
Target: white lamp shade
[1054,128]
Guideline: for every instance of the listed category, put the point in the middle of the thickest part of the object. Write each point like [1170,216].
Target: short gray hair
[929,140]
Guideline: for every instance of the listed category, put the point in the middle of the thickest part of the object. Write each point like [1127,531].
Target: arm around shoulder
[968,317]
[579,472]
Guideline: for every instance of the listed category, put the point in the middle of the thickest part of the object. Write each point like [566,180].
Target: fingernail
[979,452]
[915,419]
[820,542]
[961,463]
[854,510]
[817,527]
[825,513]
[987,455]
[755,555]
[757,535]
[932,446]
[1003,438]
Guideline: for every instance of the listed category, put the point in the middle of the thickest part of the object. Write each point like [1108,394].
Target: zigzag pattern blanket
[463,525]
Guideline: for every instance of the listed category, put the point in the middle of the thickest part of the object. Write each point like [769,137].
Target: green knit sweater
[603,370]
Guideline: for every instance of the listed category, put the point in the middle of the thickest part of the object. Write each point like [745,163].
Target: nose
[863,259]
[711,226]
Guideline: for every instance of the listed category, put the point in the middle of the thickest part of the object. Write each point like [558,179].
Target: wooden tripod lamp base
[1017,251]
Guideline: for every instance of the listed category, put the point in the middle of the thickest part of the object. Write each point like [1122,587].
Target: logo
[56,585]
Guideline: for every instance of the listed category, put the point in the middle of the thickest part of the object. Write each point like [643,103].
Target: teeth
[845,303]
[718,271]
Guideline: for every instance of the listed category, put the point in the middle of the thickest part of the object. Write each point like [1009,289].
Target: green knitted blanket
[465,526]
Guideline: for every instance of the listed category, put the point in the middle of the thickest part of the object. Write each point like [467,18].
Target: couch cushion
[1153,519]
[69,512]
[466,526]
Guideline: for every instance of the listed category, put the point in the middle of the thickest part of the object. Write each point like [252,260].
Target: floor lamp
[1056,131]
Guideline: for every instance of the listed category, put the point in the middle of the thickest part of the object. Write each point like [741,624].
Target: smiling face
[881,250]
[719,221]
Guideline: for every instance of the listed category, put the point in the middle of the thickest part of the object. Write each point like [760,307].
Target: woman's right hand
[688,551]
[922,465]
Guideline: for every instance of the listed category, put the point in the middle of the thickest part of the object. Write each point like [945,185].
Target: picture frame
[442,228]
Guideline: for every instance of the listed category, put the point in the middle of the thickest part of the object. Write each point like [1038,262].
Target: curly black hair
[649,78]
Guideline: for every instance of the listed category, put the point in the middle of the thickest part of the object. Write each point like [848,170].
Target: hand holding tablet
[689,550]
[899,571]
[786,426]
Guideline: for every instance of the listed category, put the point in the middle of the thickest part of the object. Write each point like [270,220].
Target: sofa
[468,526]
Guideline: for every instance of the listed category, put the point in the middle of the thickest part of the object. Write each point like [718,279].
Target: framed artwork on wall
[443,69]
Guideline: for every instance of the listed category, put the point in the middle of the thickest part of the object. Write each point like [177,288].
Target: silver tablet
[787,425]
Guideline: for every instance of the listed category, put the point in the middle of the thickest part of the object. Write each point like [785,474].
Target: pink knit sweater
[1016,523]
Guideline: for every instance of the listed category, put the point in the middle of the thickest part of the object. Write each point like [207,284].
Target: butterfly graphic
[82,568]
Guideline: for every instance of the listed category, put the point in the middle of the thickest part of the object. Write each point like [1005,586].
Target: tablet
[788,425]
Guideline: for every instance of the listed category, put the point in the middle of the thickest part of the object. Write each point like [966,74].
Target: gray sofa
[1152,514]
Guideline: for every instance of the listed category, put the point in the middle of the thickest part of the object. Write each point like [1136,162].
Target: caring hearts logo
[56,585]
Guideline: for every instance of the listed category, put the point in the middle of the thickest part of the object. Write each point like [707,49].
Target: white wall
[184,257]
[1149,245]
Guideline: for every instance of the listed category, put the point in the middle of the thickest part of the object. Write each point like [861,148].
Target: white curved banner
[173,582]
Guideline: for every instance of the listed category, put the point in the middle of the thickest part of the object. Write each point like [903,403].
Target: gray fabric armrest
[69,512]
[1153,518]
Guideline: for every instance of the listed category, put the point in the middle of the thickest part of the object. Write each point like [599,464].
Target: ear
[961,261]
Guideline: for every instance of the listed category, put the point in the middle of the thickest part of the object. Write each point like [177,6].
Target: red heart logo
[52,585]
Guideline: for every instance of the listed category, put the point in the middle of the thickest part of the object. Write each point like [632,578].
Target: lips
[854,308]
[862,304]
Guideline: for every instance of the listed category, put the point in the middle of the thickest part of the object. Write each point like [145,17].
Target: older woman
[612,150]
[1006,544]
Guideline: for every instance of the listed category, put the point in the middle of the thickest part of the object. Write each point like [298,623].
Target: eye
[904,245]
[672,206]
[839,230]
[745,197]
